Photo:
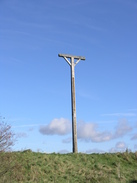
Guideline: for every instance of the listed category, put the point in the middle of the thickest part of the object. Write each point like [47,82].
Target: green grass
[39,167]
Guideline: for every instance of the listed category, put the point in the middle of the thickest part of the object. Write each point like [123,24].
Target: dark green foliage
[79,168]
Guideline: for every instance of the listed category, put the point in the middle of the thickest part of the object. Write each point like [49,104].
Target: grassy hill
[28,166]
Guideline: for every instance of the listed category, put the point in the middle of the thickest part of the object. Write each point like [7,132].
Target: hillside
[28,166]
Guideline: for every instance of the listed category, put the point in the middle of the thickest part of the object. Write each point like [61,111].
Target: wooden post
[73,99]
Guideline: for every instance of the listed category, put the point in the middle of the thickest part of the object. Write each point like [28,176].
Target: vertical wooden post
[73,99]
[73,103]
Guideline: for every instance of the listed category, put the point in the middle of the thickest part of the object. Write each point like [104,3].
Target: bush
[6,137]
[6,141]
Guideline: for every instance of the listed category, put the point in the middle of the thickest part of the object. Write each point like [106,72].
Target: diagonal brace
[77,61]
[67,60]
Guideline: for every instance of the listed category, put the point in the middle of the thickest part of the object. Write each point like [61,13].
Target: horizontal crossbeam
[70,56]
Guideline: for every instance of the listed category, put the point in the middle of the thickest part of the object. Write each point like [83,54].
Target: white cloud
[85,131]
[56,127]
[120,145]
[88,131]
[122,128]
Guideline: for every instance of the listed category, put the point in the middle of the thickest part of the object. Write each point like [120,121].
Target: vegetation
[28,166]
[6,136]
[6,141]
[39,167]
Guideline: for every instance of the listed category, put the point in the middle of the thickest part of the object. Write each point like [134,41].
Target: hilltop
[28,166]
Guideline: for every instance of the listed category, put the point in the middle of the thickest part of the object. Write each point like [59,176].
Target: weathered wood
[72,64]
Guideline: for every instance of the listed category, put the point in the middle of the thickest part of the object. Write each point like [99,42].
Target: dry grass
[31,167]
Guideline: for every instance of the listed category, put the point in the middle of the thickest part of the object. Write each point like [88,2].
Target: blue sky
[35,93]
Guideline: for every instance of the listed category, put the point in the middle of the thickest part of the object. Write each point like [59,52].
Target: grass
[39,167]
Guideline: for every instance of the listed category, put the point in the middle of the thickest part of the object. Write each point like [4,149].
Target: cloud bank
[85,131]
[89,132]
